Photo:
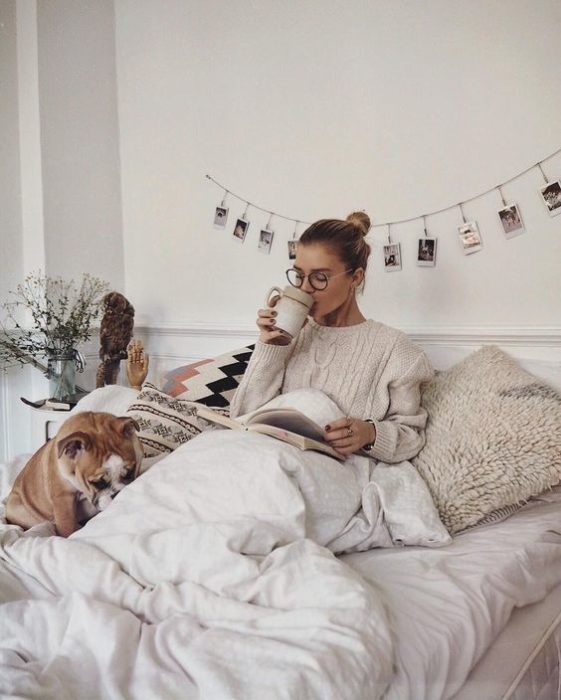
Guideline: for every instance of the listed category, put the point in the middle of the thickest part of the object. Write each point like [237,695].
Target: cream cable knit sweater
[370,370]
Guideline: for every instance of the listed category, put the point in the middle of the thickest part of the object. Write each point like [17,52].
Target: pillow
[164,422]
[409,511]
[493,437]
[111,399]
[211,382]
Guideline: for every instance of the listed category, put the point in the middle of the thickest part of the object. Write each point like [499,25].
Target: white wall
[79,139]
[10,193]
[318,108]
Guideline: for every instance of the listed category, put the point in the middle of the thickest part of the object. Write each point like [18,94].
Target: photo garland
[468,233]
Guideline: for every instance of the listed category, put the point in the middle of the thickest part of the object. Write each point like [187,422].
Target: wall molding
[537,336]
[5,433]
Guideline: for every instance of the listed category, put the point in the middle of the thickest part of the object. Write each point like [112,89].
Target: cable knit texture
[370,370]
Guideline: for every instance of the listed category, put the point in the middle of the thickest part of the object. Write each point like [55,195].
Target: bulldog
[77,473]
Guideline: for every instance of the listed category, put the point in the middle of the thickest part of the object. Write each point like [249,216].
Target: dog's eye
[101,483]
[127,475]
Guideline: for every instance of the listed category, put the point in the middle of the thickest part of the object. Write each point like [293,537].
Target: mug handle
[268,295]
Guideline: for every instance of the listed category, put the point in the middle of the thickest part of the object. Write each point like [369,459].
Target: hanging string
[471,199]
[389,234]
[462,212]
[244,215]
[502,195]
[295,231]
[542,172]
[268,226]
[255,206]
[223,203]
[398,221]
[425,226]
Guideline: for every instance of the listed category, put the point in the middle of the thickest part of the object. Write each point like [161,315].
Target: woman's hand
[266,324]
[347,435]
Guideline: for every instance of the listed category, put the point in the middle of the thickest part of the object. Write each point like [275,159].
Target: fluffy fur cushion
[165,422]
[211,382]
[493,437]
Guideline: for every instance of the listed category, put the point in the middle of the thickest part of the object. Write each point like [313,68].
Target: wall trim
[548,336]
[5,442]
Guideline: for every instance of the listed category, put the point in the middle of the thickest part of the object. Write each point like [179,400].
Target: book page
[288,419]
[300,441]
[214,417]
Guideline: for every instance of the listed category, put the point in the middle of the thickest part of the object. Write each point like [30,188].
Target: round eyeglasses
[318,280]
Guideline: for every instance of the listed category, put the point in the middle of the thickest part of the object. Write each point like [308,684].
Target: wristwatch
[368,448]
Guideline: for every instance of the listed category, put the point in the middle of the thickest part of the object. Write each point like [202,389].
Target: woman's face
[315,257]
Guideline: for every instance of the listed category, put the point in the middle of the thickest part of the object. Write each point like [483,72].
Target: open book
[285,424]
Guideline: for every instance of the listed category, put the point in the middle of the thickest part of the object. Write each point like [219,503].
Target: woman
[373,372]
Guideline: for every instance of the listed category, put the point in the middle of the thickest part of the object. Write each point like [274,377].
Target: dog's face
[99,454]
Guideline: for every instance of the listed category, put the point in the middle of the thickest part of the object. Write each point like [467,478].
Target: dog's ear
[72,444]
[128,426]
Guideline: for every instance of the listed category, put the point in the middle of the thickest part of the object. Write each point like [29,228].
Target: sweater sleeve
[401,435]
[263,378]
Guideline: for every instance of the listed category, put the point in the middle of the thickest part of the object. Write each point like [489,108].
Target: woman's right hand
[266,319]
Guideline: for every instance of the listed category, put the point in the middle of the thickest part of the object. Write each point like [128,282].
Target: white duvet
[213,576]
[205,578]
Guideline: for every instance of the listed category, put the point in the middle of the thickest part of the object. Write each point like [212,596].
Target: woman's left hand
[347,435]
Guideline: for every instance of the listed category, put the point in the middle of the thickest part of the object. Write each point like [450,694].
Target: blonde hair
[345,238]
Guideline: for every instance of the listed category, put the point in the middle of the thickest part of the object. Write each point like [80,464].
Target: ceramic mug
[292,309]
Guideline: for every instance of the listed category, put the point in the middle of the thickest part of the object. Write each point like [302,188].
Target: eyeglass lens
[317,280]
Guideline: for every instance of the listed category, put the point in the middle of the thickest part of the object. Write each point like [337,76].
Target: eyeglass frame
[315,272]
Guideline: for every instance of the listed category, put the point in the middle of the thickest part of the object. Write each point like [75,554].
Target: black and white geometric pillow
[212,382]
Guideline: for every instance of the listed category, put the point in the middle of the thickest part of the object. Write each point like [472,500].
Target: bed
[206,581]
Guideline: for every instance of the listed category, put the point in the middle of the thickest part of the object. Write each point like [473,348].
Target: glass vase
[62,375]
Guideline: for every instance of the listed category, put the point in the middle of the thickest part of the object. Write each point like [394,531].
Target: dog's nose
[113,494]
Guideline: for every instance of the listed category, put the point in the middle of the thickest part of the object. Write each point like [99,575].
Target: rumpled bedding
[210,576]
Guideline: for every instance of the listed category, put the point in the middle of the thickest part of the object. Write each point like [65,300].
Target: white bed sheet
[448,605]
[524,660]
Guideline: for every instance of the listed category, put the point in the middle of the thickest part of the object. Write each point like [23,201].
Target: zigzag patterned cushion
[211,382]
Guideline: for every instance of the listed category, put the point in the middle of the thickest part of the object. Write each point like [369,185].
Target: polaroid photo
[551,195]
[392,257]
[426,252]
[511,220]
[470,238]
[240,230]
[292,245]
[220,217]
[265,240]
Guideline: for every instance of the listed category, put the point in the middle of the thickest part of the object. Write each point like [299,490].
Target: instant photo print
[511,221]
[470,238]
[265,240]
[220,217]
[426,252]
[392,257]
[292,249]
[551,195]
[240,230]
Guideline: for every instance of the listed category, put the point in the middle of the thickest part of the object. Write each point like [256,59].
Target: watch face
[368,448]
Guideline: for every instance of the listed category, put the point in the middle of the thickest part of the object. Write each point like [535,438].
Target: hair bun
[361,220]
